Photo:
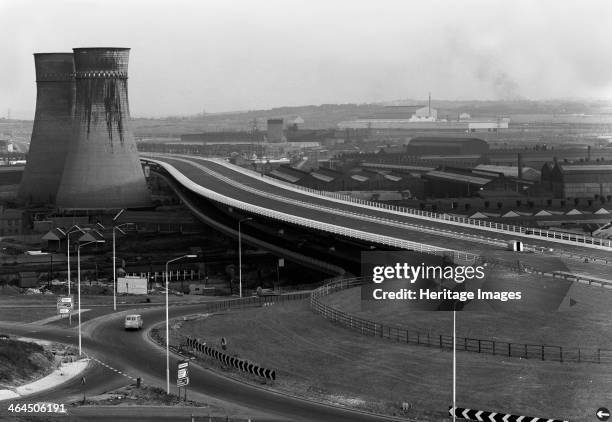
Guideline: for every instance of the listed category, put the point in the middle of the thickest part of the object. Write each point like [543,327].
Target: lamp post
[68,233]
[240,253]
[118,227]
[114,259]
[79,246]
[168,322]
[455,359]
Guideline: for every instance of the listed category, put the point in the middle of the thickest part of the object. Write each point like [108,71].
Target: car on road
[133,322]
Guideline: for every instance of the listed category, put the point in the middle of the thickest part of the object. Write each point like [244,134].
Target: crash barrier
[484,416]
[232,361]
[441,341]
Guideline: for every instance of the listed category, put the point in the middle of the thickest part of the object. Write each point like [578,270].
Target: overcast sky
[189,56]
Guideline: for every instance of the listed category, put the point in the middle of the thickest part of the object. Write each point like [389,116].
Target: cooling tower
[52,128]
[102,169]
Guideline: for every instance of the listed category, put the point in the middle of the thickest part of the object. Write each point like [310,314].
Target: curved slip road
[133,355]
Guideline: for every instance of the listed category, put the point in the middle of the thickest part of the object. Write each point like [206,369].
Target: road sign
[182,378]
[483,416]
[64,304]
[602,414]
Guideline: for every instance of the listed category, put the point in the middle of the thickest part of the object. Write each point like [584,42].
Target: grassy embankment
[317,359]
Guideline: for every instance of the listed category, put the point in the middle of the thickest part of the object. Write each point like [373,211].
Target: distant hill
[329,115]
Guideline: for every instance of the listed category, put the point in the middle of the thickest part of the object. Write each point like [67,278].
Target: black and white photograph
[305,210]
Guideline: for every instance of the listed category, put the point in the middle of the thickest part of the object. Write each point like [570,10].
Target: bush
[16,357]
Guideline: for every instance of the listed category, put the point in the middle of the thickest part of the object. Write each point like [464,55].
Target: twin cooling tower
[82,153]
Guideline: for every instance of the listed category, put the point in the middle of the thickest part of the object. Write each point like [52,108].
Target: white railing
[533,233]
[345,213]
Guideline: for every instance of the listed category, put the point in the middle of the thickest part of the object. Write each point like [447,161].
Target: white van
[133,322]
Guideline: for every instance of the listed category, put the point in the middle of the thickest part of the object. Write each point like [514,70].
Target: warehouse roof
[585,167]
[284,176]
[359,178]
[442,139]
[457,177]
[322,177]
[398,167]
[510,171]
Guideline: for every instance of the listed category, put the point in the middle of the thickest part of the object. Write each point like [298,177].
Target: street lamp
[79,246]
[455,359]
[68,233]
[240,253]
[168,323]
[117,227]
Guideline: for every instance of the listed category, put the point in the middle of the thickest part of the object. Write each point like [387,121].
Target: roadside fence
[425,338]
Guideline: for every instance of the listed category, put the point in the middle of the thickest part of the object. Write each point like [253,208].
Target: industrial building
[578,179]
[223,137]
[275,131]
[526,173]
[442,145]
[355,179]
[450,182]
[420,117]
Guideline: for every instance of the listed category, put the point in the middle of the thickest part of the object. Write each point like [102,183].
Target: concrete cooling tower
[52,129]
[102,169]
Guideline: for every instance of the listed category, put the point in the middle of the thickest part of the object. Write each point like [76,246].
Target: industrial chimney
[52,128]
[520,166]
[102,169]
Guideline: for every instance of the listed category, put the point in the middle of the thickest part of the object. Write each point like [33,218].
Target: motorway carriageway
[436,233]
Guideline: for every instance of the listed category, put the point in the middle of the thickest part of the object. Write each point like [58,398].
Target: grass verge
[319,360]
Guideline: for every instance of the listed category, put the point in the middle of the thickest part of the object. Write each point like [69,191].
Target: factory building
[275,131]
[419,117]
[223,137]
[430,145]
[451,182]
[526,173]
[578,179]
[310,135]
[425,113]
[356,179]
